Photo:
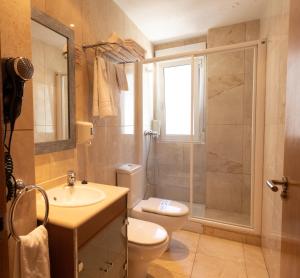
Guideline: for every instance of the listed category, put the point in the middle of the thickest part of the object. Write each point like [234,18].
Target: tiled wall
[94,21]
[229,108]
[274,27]
[15,41]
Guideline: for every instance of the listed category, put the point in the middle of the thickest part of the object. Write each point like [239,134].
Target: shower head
[23,68]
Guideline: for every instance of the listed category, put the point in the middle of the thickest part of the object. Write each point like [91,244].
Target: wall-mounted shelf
[126,52]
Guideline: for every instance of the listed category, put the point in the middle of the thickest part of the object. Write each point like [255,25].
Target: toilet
[146,242]
[169,214]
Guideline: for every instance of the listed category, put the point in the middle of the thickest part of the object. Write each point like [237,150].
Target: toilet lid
[164,207]
[145,232]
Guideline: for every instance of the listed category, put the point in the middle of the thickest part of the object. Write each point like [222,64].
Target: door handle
[272,184]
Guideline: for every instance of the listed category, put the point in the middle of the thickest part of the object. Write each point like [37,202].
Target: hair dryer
[16,72]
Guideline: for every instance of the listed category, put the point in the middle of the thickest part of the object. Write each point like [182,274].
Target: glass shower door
[222,162]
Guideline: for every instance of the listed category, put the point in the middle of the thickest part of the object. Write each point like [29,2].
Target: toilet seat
[164,207]
[145,233]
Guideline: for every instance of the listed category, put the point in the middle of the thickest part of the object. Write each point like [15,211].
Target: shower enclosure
[208,154]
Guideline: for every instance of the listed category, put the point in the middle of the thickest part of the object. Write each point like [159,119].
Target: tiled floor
[200,256]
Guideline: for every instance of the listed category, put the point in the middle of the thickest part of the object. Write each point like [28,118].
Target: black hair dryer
[16,71]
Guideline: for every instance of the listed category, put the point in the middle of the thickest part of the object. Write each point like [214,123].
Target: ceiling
[167,20]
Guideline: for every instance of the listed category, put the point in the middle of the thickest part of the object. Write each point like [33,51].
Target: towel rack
[21,189]
[116,51]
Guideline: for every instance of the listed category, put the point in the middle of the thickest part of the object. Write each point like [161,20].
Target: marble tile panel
[176,193]
[247,149]
[246,194]
[224,191]
[252,30]
[226,107]
[225,148]
[226,35]
[226,63]
[218,84]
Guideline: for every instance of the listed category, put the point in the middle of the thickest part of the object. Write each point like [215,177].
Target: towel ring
[24,189]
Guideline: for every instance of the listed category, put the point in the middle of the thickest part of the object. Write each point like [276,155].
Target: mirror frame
[58,27]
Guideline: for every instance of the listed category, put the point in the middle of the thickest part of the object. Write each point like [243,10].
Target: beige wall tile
[246,193]
[226,107]
[218,84]
[12,23]
[94,21]
[226,35]
[252,30]
[53,165]
[225,148]
[220,64]
[224,191]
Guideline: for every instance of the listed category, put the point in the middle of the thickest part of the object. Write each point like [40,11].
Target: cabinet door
[105,255]
[117,247]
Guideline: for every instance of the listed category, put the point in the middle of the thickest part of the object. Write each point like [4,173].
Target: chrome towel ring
[21,191]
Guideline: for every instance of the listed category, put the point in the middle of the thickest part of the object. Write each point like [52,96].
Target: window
[180,110]
[127,102]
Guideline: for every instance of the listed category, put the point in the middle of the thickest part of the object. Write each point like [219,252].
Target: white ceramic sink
[75,196]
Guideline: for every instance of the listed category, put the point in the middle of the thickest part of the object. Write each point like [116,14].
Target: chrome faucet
[71,178]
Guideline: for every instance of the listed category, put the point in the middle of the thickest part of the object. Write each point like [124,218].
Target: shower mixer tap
[151,133]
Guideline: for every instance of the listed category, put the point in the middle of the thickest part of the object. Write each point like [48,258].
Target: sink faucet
[71,178]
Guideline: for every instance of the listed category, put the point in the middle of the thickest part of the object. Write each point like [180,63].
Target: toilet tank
[131,176]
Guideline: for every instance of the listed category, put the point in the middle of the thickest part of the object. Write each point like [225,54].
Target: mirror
[53,84]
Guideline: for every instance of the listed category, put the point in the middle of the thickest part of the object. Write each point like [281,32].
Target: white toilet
[171,215]
[146,240]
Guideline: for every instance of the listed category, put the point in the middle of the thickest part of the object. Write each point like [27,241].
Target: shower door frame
[257,150]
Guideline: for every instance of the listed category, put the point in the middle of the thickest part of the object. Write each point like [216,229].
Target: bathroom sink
[75,196]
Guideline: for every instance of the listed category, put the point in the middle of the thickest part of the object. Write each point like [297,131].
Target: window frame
[198,100]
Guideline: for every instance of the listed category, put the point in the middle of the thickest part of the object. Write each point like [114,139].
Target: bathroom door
[290,242]
[3,234]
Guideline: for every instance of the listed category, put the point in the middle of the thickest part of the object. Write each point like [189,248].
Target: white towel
[121,77]
[104,88]
[33,255]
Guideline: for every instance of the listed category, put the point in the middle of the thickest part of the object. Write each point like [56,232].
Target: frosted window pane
[127,103]
[178,100]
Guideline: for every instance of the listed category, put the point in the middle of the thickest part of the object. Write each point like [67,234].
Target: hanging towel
[121,78]
[105,85]
[32,255]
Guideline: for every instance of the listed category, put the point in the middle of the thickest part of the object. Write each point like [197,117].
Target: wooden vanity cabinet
[97,248]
